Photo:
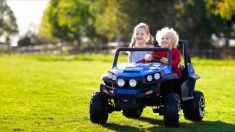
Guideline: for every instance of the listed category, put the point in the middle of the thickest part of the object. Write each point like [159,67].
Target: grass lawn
[52,93]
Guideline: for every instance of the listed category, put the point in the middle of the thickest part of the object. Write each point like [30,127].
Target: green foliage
[52,93]
[29,38]
[191,16]
[110,20]
[8,24]
[118,18]
[222,13]
[223,8]
[104,20]
[67,20]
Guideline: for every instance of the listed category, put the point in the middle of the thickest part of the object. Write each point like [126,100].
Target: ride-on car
[132,87]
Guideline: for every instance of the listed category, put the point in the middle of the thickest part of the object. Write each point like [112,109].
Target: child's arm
[175,60]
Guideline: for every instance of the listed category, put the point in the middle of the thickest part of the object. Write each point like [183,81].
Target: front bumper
[112,92]
[133,98]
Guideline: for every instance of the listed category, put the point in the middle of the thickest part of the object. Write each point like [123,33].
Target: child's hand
[164,60]
[148,57]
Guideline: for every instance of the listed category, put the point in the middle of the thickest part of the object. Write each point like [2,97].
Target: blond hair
[169,32]
[149,40]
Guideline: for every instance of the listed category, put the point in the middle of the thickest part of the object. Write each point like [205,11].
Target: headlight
[157,76]
[132,82]
[109,75]
[120,82]
[149,78]
[114,77]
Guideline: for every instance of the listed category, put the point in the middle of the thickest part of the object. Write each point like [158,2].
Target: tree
[8,26]
[104,18]
[118,17]
[224,11]
[110,19]
[194,23]
[193,20]
[67,20]
[107,19]
[30,38]
[224,8]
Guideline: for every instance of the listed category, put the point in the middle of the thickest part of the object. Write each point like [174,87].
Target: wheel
[172,110]
[97,108]
[133,113]
[195,109]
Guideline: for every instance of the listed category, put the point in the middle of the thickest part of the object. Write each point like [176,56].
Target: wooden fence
[110,48]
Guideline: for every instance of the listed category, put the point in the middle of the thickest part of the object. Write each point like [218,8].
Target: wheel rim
[202,106]
[179,103]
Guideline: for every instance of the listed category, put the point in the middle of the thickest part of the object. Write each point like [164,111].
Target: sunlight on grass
[52,93]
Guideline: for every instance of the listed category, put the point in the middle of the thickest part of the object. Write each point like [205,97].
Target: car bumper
[133,92]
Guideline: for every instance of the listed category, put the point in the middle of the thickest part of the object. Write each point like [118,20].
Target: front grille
[131,71]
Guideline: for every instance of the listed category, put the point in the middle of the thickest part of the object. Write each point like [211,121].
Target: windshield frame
[141,49]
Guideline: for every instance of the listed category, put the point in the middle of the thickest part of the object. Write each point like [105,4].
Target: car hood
[140,70]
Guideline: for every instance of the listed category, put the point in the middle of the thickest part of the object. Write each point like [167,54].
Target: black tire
[194,110]
[97,108]
[133,113]
[172,110]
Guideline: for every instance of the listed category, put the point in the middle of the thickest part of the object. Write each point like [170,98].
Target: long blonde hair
[149,40]
[169,32]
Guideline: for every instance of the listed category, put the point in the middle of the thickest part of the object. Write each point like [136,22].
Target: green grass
[52,93]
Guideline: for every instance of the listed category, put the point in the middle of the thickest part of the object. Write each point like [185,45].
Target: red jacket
[175,59]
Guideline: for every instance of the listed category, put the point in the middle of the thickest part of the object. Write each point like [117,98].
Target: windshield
[136,55]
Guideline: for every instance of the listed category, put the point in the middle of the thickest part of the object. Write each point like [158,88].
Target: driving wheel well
[170,86]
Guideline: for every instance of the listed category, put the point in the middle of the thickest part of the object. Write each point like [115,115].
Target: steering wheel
[156,59]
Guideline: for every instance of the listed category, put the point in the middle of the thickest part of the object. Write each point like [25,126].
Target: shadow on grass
[117,127]
[204,126]
[151,121]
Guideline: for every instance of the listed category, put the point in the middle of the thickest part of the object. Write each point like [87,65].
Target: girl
[141,38]
[167,38]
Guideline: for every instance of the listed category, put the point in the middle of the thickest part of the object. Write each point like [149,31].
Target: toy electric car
[131,87]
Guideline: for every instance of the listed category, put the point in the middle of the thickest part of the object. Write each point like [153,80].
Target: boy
[167,38]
